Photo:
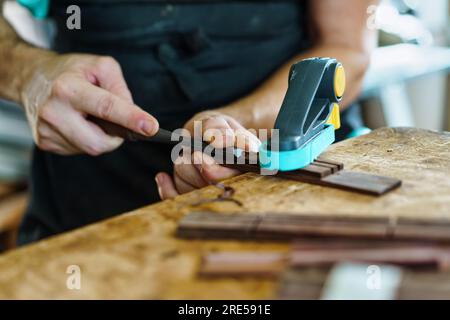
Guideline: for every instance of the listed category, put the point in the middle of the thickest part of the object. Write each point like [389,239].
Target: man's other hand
[65,89]
[198,170]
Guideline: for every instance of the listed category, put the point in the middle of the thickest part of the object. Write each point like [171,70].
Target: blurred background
[407,85]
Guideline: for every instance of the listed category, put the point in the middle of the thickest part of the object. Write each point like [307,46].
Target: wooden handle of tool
[113,129]
[162,136]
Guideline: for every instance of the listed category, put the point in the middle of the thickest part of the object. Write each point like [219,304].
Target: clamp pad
[299,158]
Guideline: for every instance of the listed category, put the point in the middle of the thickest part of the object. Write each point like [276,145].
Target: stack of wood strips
[326,173]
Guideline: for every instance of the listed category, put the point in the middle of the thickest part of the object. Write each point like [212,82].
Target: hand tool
[162,136]
[166,137]
[306,122]
[308,116]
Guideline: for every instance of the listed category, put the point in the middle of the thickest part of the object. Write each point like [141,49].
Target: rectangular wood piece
[207,225]
[329,173]
[322,253]
[308,283]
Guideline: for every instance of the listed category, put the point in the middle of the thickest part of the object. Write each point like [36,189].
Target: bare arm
[19,57]
[341,33]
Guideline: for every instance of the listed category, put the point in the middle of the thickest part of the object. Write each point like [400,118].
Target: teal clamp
[299,158]
[38,8]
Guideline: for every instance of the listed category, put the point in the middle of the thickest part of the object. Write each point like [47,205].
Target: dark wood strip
[344,180]
[424,285]
[340,165]
[322,173]
[332,167]
[297,284]
[280,231]
[361,182]
[425,256]
[213,225]
[302,284]
[344,243]
[290,226]
[437,232]
[311,171]
[316,171]
[271,264]
[243,167]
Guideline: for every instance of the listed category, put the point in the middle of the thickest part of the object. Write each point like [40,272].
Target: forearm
[18,61]
[260,108]
[340,31]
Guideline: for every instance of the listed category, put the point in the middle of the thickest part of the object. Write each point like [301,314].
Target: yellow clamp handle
[339,81]
[334,117]
[339,89]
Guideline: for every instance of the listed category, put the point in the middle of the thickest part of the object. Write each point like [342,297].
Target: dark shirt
[178,59]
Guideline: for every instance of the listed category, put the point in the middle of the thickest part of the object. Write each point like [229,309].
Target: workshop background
[407,85]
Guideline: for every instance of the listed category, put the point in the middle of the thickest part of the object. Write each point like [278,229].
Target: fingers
[88,98]
[210,170]
[110,77]
[218,132]
[81,133]
[189,176]
[166,187]
[50,139]
[183,186]
[199,170]
[57,148]
[187,172]
[244,139]
[169,188]
[69,88]
[223,131]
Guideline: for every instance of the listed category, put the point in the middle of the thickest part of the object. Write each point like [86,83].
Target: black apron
[178,59]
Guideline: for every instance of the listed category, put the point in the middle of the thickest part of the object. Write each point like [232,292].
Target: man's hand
[198,170]
[63,90]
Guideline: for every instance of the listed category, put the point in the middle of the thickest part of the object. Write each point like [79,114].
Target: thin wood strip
[199,225]
[409,256]
[301,284]
[269,264]
[317,171]
[342,179]
[424,285]
[307,283]
[361,182]
[291,230]
[340,165]
[332,167]
[292,226]
[340,243]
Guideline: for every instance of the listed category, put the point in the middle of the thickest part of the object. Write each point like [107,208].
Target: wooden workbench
[135,255]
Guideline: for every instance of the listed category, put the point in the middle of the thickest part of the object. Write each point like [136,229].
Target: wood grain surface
[136,255]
